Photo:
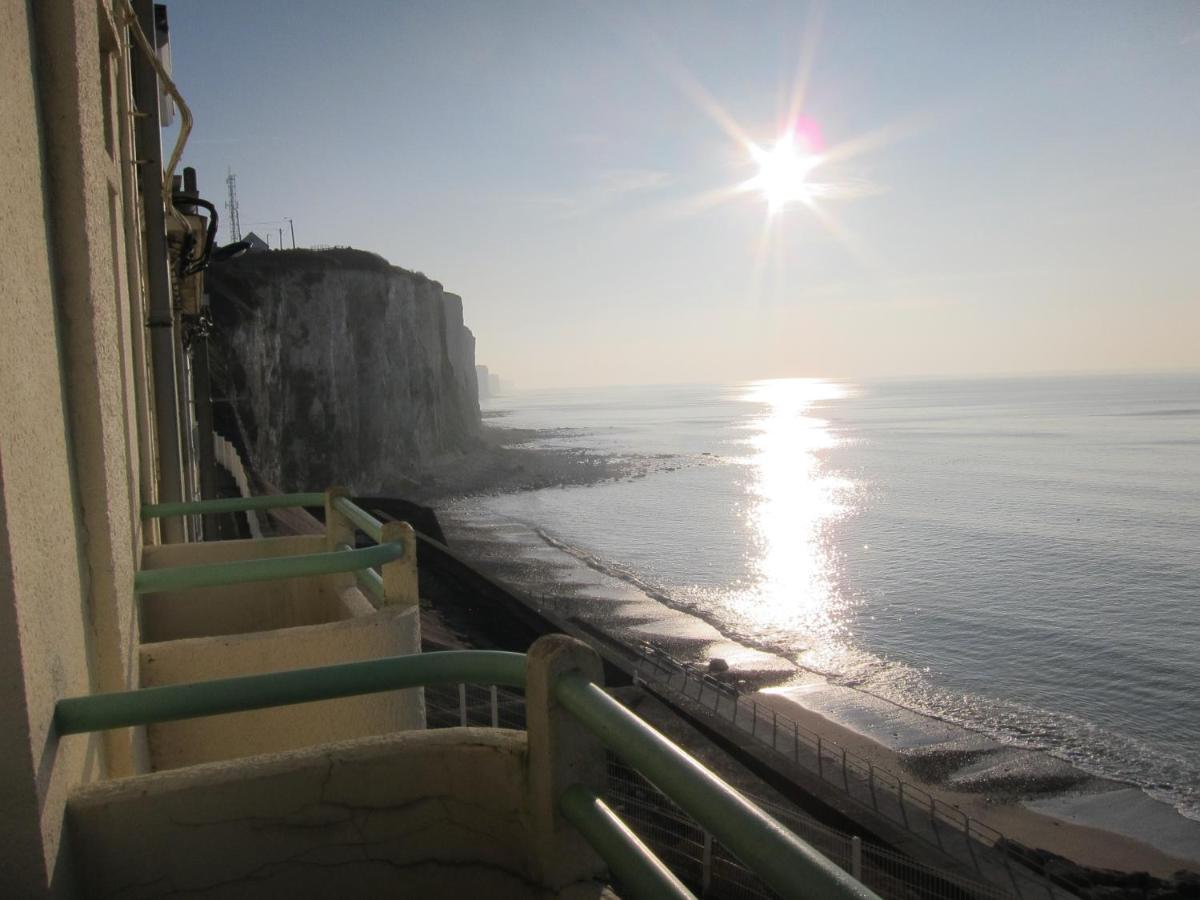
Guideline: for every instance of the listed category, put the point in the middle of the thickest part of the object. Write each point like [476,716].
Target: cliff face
[340,368]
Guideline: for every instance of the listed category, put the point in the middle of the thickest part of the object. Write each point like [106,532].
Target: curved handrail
[181,578]
[230,504]
[168,703]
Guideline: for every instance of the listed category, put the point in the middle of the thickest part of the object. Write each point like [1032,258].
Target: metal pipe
[230,504]
[225,695]
[360,518]
[372,583]
[159,315]
[783,861]
[638,871]
[275,568]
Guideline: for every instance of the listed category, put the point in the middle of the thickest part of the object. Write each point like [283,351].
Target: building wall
[69,453]
[82,80]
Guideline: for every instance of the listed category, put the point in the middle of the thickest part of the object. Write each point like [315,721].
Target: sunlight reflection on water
[794,500]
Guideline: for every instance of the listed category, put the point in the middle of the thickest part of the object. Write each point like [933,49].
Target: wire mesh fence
[692,853]
[450,706]
[886,794]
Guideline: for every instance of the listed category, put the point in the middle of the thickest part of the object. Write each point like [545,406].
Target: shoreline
[1035,799]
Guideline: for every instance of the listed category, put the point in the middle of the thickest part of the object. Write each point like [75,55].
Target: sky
[994,188]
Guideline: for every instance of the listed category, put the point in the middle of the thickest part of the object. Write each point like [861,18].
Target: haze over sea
[1018,556]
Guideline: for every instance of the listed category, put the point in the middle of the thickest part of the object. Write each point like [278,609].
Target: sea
[1018,556]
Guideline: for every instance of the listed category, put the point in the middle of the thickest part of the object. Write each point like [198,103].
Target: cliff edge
[339,368]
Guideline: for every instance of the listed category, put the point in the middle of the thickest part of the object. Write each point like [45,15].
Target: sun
[783,173]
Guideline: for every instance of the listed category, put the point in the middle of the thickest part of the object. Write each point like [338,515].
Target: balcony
[394,807]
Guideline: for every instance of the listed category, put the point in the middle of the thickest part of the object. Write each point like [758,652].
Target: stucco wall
[71,394]
[257,606]
[420,814]
[389,632]
[87,169]
[43,635]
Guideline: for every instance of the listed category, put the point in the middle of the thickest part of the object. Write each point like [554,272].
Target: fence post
[871,782]
[903,808]
[845,771]
[795,742]
[774,728]
[462,705]
[820,759]
[495,708]
[933,821]
[706,866]
[754,721]
[856,856]
[970,842]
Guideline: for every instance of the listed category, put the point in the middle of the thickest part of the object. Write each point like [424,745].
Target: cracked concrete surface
[419,813]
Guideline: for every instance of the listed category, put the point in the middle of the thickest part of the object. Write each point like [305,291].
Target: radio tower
[231,207]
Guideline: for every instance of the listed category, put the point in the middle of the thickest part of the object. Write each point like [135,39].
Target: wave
[1071,739]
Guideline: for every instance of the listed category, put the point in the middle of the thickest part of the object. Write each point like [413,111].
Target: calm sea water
[1020,556]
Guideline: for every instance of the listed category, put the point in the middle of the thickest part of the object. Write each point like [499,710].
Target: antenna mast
[231,207]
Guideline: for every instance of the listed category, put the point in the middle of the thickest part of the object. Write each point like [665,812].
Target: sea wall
[339,368]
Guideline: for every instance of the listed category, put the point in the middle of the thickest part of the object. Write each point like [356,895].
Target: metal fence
[692,853]
[886,794]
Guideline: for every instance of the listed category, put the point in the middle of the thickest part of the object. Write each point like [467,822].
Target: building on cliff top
[239,718]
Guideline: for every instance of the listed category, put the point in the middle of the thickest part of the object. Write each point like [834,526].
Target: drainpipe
[161,320]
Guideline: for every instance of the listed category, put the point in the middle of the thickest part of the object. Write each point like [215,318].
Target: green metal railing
[637,868]
[180,578]
[362,519]
[345,559]
[173,702]
[783,861]
[231,504]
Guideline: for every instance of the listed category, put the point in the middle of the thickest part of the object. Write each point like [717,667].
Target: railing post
[933,821]
[462,705]
[706,865]
[562,753]
[871,783]
[754,721]
[774,728]
[795,742]
[400,576]
[903,808]
[845,771]
[820,759]
[856,856]
[495,707]
[338,529]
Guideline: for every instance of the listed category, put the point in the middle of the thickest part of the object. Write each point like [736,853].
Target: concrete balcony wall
[444,813]
[275,626]
[241,608]
[388,632]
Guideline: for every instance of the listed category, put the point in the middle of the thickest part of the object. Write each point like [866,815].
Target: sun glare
[783,173]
